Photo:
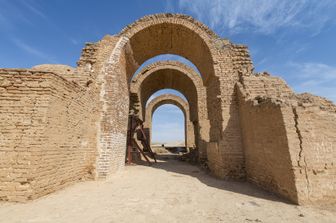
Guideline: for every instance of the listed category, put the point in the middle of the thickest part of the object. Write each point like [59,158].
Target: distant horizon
[168,142]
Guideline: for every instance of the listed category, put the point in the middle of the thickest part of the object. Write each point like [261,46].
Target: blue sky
[293,39]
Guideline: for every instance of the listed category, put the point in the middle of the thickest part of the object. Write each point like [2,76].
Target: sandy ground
[171,191]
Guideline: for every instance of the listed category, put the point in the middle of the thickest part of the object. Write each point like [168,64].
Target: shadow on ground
[171,163]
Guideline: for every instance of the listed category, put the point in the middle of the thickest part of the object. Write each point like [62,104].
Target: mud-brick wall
[263,118]
[267,158]
[312,135]
[264,85]
[47,138]
[114,106]
[289,140]
[23,108]
[225,151]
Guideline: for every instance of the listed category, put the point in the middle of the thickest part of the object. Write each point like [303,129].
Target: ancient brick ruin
[60,125]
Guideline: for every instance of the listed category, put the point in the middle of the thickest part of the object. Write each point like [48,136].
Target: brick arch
[178,76]
[167,57]
[146,38]
[180,103]
[175,75]
[173,34]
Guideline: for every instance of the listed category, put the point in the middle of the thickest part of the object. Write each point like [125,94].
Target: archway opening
[168,74]
[168,129]
[174,75]
[142,40]
[183,105]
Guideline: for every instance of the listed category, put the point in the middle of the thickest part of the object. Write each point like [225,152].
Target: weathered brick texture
[311,130]
[47,134]
[267,159]
[289,140]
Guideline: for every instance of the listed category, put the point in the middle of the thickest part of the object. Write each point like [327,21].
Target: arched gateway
[180,77]
[180,103]
[62,124]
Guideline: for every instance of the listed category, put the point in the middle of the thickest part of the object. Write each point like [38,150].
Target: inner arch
[182,104]
[166,57]
[173,75]
[165,91]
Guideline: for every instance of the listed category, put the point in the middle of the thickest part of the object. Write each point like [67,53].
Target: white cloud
[317,78]
[263,16]
[320,72]
[31,5]
[73,41]
[32,50]
[16,13]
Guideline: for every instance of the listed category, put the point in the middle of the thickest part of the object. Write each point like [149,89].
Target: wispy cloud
[13,13]
[317,78]
[34,8]
[32,50]
[74,41]
[263,16]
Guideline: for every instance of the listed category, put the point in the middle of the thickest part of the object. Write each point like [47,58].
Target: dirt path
[170,191]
